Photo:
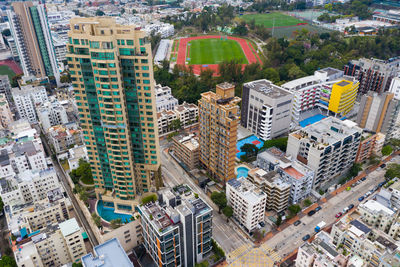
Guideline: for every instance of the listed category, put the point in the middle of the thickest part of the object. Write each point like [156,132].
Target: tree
[99,13]
[1,204]
[307,202]
[279,220]
[258,236]
[6,32]
[77,264]
[355,169]
[122,11]
[149,198]
[392,171]
[84,196]
[280,143]
[294,209]
[83,173]
[241,29]
[387,150]
[228,212]
[251,150]
[7,261]
[96,219]
[116,223]
[219,198]
[134,11]
[176,124]
[65,79]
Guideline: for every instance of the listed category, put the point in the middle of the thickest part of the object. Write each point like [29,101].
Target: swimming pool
[249,140]
[311,120]
[242,172]
[109,214]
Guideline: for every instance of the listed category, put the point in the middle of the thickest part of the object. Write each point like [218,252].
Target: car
[318,208]
[306,237]
[348,188]
[361,198]
[364,178]
[311,213]
[297,223]
[383,166]
[350,206]
[282,213]
[381,184]
[345,210]
[368,194]
[262,224]
[338,214]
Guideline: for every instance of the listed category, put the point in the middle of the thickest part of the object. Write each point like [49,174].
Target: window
[129,42]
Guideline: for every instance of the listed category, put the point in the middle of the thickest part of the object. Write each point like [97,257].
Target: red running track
[181,58]
[10,63]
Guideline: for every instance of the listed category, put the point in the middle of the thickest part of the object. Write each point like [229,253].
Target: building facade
[165,99]
[266,109]
[6,117]
[219,118]
[186,148]
[293,172]
[373,74]
[186,113]
[177,231]
[329,147]
[116,103]
[378,113]
[64,137]
[5,87]
[27,98]
[371,144]
[30,29]
[51,113]
[343,96]
[247,201]
[395,87]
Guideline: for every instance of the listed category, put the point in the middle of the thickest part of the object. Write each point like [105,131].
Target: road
[227,235]
[290,238]
[81,217]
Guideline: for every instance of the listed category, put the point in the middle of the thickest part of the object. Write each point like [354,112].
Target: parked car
[368,194]
[361,198]
[381,184]
[364,178]
[318,208]
[282,213]
[351,206]
[311,213]
[262,224]
[383,166]
[338,214]
[297,223]
[306,237]
[345,210]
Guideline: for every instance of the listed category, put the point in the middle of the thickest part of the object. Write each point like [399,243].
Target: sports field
[6,70]
[214,51]
[267,19]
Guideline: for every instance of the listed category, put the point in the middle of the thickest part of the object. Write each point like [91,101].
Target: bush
[307,202]
[280,143]
[387,150]
[218,252]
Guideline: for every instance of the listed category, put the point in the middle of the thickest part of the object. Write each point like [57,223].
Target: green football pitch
[6,70]
[214,51]
[267,19]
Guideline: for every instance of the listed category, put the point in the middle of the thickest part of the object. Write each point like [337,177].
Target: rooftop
[267,88]
[247,189]
[343,83]
[328,131]
[293,172]
[69,227]
[376,207]
[189,141]
[108,254]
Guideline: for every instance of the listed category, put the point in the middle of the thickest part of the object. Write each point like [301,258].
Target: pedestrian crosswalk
[271,252]
[239,251]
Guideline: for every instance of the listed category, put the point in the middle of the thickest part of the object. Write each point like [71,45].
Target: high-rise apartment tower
[31,32]
[112,75]
[219,119]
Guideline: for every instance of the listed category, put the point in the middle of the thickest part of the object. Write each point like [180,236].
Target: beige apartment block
[186,149]
[218,121]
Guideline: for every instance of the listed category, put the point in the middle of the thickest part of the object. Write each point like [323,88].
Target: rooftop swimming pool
[242,171]
[109,214]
